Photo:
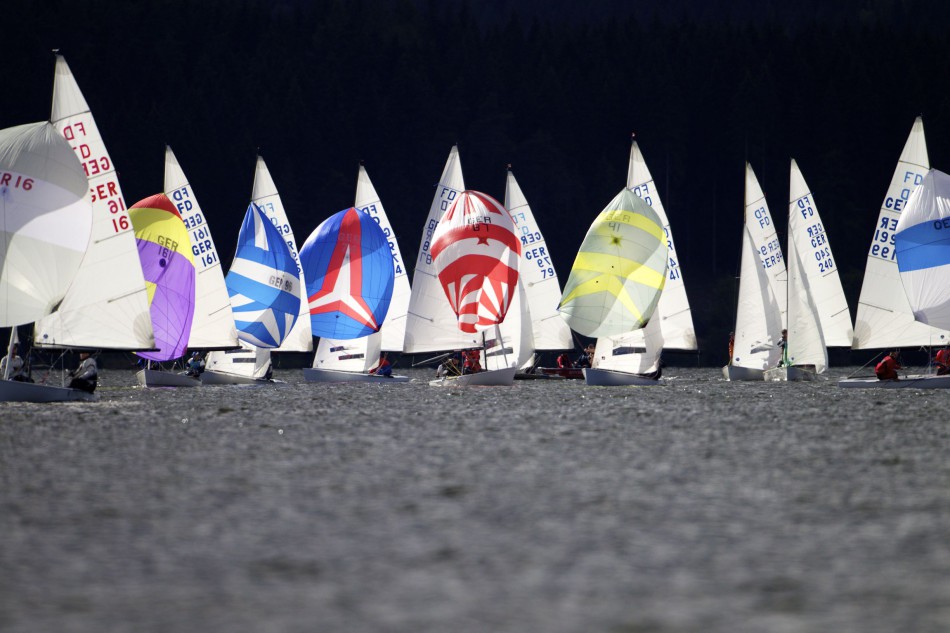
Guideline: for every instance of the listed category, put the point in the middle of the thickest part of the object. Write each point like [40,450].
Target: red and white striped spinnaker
[476,253]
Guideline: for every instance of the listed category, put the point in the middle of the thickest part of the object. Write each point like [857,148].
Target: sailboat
[169,267]
[106,306]
[212,327]
[758,315]
[884,318]
[251,363]
[673,311]
[922,253]
[614,288]
[431,326]
[817,310]
[350,360]
[538,279]
[348,265]
[47,222]
[476,255]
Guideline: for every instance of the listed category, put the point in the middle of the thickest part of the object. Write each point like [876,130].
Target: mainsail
[106,306]
[169,268]
[673,311]
[814,251]
[884,318]
[541,287]
[806,344]
[265,196]
[764,238]
[393,333]
[922,243]
[46,221]
[213,324]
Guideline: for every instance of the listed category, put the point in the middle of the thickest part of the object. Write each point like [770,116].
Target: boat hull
[158,378]
[15,391]
[609,378]
[790,374]
[908,382]
[492,378]
[572,373]
[736,373]
[312,374]
[210,377]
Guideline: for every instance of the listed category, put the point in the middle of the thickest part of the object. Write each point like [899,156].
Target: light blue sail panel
[348,265]
[263,283]
[922,248]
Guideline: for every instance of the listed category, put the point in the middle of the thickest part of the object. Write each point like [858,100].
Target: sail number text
[92,165]
[540,256]
[373,212]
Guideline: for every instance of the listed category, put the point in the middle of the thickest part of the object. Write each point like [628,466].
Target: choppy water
[548,506]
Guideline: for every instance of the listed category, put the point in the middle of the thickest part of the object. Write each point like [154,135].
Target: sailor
[942,361]
[564,361]
[16,366]
[783,344]
[384,368]
[887,368]
[86,376]
[196,365]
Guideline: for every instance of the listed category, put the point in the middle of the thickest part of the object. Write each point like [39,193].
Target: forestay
[884,317]
[619,272]
[818,264]
[46,221]
[169,268]
[213,324]
[922,242]
[106,306]
[673,311]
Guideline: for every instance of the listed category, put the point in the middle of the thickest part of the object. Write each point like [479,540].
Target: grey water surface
[548,506]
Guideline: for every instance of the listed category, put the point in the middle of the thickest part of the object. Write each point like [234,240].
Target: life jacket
[943,357]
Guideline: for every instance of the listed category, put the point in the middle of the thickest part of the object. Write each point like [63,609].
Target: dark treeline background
[553,87]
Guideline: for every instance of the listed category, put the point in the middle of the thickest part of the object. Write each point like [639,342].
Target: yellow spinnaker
[619,272]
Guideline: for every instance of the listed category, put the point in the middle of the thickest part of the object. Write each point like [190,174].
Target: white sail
[637,352]
[247,361]
[764,237]
[213,324]
[818,264]
[107,304]
[265,196]
[758,319]
[541,286]
[431,324]
[357,355]
[46,221]
[806,344]
[394,327]
[673,311]
[513,343]
[884,318]
[923,250]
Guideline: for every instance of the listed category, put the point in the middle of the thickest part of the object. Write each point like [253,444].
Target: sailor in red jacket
[942,361]
[887,368]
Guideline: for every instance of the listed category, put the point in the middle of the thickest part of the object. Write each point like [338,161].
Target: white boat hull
[492,378]
[312,374]
[907,382]
[737,373]
[610,378]
[210,377]
[159,378]
[15,391]
[790,374]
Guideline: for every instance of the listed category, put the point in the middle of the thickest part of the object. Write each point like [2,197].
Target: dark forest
[317,87]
